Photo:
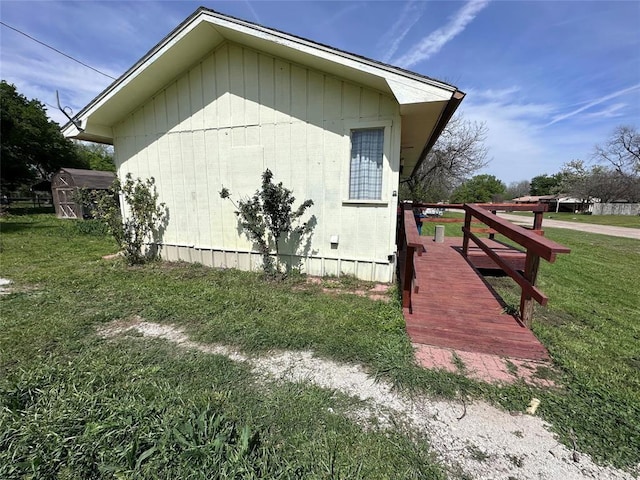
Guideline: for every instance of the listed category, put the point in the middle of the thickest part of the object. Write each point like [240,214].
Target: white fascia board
[70,131]
[406,87]
[116,87]
[90,132]
[147,62]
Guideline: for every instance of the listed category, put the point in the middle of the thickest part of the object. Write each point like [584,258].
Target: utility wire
[56,50]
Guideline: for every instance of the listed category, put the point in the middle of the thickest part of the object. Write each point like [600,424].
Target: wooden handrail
[535,244]
[541,246]
[441,220]
[507,207]
[531,290]
[408,244]
[411,231]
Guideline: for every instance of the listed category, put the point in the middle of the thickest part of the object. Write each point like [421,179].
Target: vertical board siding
[223,93]
[251,89]
[237,112]
[195,98]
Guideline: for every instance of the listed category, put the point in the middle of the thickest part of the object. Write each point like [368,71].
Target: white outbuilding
[219,100]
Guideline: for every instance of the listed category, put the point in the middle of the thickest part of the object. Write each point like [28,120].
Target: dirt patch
[350,286]
[113,256]
[476,438]
[4,286]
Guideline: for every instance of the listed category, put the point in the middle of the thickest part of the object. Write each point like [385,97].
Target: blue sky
[549,78]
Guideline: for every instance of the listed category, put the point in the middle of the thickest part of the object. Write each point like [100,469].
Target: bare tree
[517,189]
[598,182]
[456,156]
[621,151]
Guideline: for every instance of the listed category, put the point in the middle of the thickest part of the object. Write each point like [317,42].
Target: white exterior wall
[238,112]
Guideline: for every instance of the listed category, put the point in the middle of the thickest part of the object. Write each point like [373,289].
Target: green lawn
[73,405]
[591,327]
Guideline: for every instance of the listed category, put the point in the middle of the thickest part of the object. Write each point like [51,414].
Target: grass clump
[115,418]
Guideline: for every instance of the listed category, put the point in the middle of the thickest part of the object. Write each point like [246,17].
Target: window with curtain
[365,172]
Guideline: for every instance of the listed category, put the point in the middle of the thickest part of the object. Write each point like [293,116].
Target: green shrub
[144,220]
[269,220]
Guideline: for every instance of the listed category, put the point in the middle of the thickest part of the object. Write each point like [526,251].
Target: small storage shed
[68,181]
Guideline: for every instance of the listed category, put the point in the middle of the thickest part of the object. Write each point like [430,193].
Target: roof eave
[447,113]
[399,81]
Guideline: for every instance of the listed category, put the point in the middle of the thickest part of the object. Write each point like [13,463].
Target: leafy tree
[268,219]
[545,184]
[96,156]
[480,189]
[517,189]
[459,152]
[32,146]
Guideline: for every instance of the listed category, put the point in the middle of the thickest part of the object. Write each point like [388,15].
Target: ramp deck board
[456,308]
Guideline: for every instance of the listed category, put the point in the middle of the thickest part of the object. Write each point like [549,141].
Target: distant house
[220,99]
[558,203]
[68,181]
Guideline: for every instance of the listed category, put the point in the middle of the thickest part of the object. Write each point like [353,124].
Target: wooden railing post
[467,228]
[532,263]
[407,278]
[492,236]
[537,222]
[536,246]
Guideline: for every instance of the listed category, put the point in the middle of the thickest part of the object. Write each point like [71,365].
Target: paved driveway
[581,227]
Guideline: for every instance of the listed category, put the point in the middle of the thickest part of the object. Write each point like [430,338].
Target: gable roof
[94,179]
[420,97]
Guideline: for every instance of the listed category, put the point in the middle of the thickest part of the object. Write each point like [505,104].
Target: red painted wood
[505,207]
[411,231]
[541,246]
[455,308]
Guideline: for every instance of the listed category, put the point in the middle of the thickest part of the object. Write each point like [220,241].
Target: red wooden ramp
[455,308]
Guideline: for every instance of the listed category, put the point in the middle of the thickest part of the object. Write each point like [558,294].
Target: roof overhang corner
[80,129]
[452,105]
[408,91]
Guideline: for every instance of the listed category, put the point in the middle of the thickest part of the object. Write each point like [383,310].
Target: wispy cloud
[593,103]
[433,43]
[409,16]
[77,84]
[610,111]
[518,146]
[494,95]
[253,11]
[340,13]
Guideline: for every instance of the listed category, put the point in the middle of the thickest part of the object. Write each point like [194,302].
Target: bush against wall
[269,220]
[144,220]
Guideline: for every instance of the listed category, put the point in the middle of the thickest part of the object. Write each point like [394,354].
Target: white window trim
[349,126]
